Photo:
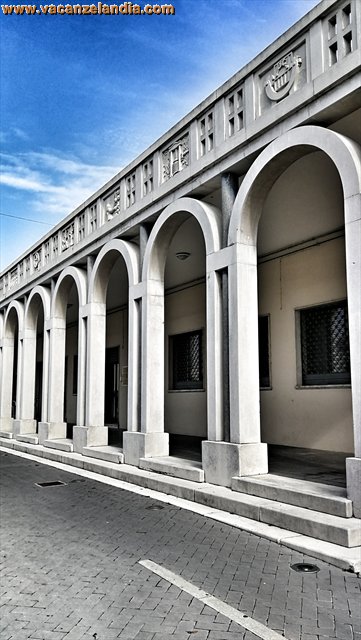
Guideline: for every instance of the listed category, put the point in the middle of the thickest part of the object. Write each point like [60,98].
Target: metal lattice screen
[325,345]
[186,353]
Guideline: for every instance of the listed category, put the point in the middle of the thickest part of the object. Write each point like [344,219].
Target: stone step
[62,444]
[300,493]
[6,434]
[31,438]
[323,526]
[107,453]
[176,467]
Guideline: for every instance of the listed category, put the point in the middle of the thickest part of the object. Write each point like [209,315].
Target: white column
[353,270]
[243,341]
[25,422]
[45,384]
[152,375]
[244,455]
[6,385]
[214,358]
[151,440]
[81,374]
[55,427]
[133,364]
[90,429]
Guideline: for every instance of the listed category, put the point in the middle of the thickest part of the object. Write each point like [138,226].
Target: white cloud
[56,184]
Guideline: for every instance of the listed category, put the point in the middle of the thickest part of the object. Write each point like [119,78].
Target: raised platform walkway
[253,504]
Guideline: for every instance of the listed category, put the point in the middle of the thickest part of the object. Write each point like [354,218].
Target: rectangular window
[325,351]
[264,352]
[186,361]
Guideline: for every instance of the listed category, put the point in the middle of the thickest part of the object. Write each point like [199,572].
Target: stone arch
[270,164]
[19,310]
[165,227]
[29,316]
[209,219]
[104,263]
[345,154]
[64,284]
[70,276]
[12,329]
[39,297]
[96,349]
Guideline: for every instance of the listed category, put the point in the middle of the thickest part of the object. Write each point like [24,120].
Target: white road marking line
[240,618]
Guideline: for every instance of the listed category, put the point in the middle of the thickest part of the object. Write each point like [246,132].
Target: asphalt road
[70,569]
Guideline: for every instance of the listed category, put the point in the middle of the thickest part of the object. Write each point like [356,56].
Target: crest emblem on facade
[283,76]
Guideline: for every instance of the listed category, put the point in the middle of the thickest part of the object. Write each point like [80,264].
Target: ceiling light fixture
[182,255]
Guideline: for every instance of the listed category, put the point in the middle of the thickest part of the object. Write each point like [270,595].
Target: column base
[6,427]
[51,431]
[353,481]
[89,437]
[24,426]
[144,445]
[224,460]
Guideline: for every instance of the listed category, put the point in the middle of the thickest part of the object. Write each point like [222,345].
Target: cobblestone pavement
[70,569]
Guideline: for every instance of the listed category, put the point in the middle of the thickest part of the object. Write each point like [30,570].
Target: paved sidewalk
[70,569]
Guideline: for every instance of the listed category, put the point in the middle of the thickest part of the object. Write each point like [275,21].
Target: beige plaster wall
[185,411]
[315,418]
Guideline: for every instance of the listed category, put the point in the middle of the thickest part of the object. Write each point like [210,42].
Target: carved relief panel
[286,75]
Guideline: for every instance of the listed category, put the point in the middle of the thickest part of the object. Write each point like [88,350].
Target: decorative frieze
[282,78]
[93,218]
[175,157]
[55,245]
[112,206]
[81,227]
[13,278]
[286,76]
[67,237]
[37,260]
[47,252]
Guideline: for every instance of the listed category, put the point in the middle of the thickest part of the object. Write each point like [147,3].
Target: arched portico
[55,427]
[151,439]
[37,306]
[10,392]
[94,433]
[270,164]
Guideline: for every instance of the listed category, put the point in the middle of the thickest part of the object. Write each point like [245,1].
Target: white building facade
[212,289]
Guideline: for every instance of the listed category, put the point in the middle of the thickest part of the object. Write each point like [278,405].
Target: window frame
[324,380]
[183,387]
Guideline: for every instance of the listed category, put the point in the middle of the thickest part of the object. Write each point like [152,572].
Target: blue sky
[81,96]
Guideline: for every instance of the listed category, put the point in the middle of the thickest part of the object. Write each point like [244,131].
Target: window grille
[147,177]
[234,112]
[186,361]
[206,133]
[130,186]
[340,34]
[325,345]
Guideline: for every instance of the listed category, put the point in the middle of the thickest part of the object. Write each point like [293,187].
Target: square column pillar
[26,422]
[90,430]
[6,421]
[353,273]
[55,427]
[244,454]
[151,439]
